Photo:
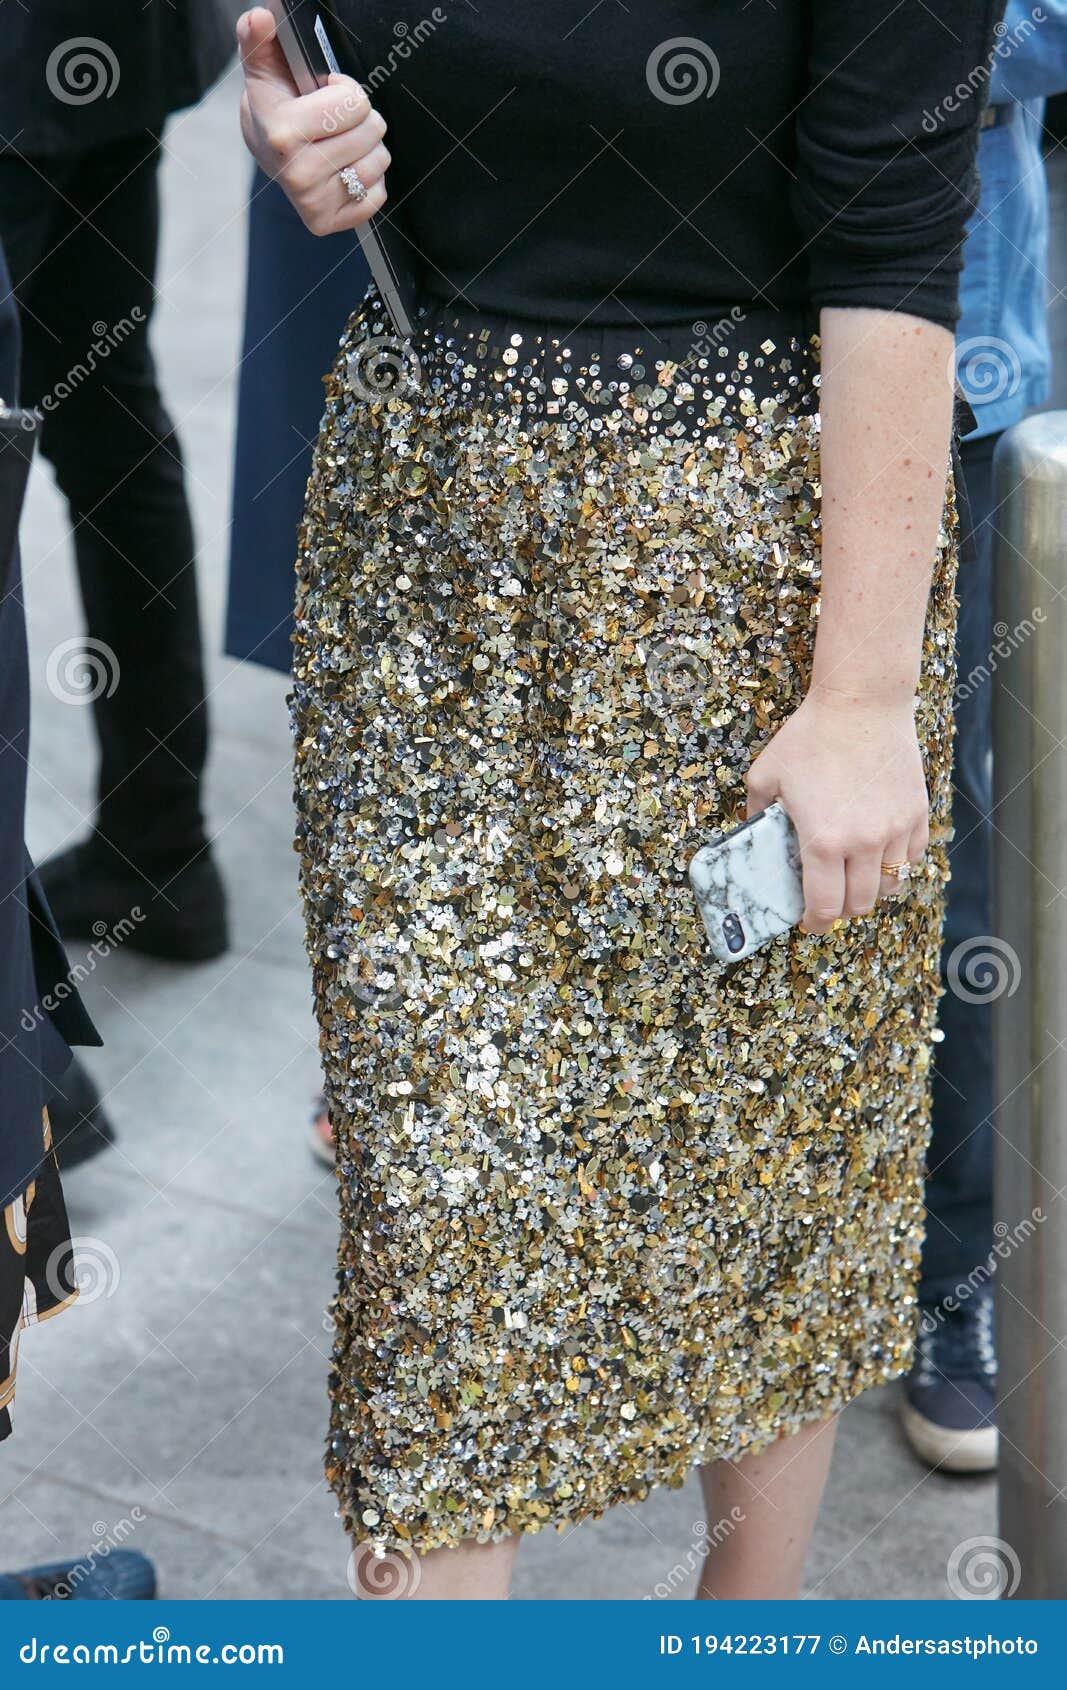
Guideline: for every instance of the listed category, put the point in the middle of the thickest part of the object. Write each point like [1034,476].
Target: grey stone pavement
[182,1404]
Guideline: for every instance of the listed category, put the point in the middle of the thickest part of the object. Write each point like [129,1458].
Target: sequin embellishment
[608,1209]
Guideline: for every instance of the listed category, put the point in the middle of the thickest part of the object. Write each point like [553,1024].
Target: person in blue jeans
[1003,364]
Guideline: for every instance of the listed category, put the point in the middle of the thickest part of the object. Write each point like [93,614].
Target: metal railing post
[1030,1012]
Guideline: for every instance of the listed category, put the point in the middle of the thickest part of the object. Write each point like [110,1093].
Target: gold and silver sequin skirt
[608,1209]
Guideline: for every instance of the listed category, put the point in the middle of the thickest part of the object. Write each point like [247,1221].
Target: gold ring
[897,871]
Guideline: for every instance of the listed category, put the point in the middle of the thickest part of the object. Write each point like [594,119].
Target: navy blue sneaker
[949,1407]
[122,1575]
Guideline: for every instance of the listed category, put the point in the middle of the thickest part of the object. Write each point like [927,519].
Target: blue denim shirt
[1002,346]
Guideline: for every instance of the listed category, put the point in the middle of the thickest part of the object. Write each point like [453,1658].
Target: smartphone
[311,54]
[749,885]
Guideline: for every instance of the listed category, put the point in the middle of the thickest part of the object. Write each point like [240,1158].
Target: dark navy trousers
[959,1195]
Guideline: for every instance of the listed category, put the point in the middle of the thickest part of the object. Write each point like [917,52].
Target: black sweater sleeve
[886,143]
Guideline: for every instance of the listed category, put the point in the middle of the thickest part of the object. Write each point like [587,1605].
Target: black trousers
[959,1192]
[80,233]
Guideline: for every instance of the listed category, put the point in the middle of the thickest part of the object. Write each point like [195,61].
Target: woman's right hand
[304,141]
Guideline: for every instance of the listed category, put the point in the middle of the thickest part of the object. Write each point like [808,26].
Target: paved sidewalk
[183,1407]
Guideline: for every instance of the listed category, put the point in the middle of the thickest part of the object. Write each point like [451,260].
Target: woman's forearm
[886,406]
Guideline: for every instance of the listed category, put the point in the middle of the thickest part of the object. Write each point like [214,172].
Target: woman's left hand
[849,774]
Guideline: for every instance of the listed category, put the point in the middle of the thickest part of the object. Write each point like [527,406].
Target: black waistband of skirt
[744,325]
[730,363]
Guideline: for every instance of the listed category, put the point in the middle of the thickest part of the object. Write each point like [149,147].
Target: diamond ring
[355,186]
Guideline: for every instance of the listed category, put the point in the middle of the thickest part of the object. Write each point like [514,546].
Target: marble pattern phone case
[748,884]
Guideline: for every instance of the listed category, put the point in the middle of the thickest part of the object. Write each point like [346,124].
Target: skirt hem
[700,1455]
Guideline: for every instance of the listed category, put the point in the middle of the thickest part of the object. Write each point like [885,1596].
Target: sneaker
[949,1407]
[182,915]
[121,1575]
